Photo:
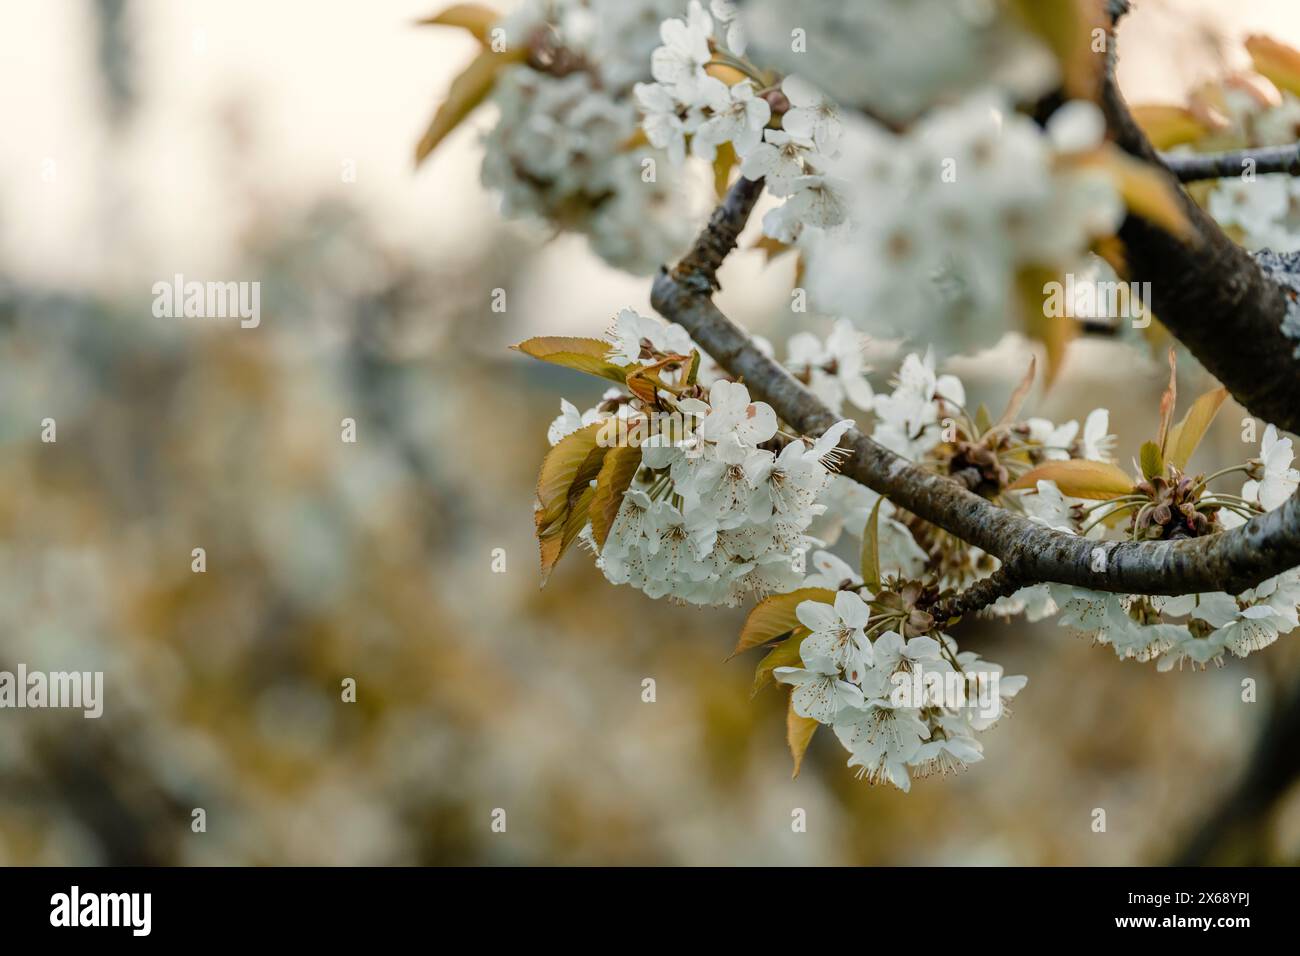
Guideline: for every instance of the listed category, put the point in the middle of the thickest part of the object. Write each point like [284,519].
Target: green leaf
[616,474]
[581,354]
[694,372]
[468,90]
[1147,190]
[723,160]
[871,549]
[1065,27]
[564,493]
[785,654]
[1056,334]
[774,616]
[1076,478]
[560,468]
[473,17]
[1277,61]
[556,540]
[798,734]
[983,421]
[1152,461]
[1187,434]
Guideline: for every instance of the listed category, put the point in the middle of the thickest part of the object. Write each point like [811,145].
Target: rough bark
[1209,292]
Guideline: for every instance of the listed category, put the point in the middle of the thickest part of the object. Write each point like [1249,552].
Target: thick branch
[1193,167]
[1232,561]
[1210,293]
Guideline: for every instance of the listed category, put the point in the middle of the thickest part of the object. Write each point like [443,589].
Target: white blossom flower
[1056,440]
[813,116]
[819,692]
[908,418]
[1049,507]
[1197,651]
[837,633]
[635,336]
[818,201]
[946,755]
[724,11]
[882,740]
[1077,127]
[664,127]
[892,654]
[680,62]
[833,370]
[779,161]
[738,119]
[1098,444]
[735,420]
[1279,479]
[569,421]
[1260,207]
[831,573]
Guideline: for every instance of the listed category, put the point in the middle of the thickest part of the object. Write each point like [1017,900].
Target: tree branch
[1210,294]
[1001,583]
[1231,561]
[1193,167]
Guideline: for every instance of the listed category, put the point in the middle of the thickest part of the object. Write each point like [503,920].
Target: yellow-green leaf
[474,17]
[775,615]
[555,541]
[1153,463]
[616,473]
[1096,480]
[785,654]
[723,161]
[871,549]
[724,72]
[1187,434]
[560,468]
[1147,191]
[468,90]
[1277,61]
[1066,26]
[581,354]
[798,734]
[1055,332]
[1168,126]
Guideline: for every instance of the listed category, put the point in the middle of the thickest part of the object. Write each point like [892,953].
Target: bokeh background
[272,142]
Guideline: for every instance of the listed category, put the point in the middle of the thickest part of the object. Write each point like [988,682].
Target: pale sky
[324,82]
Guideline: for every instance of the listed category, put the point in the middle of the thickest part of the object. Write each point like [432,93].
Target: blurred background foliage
[184,142]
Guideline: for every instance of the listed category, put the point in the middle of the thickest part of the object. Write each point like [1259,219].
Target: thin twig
[1001,583]
[1193,167]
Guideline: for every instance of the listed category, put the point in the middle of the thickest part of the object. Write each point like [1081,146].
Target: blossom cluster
[897,59]
[564,147]
[717,510]
[900,705]
[1195,629]
[689,104]
[944,217]
[907,232]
